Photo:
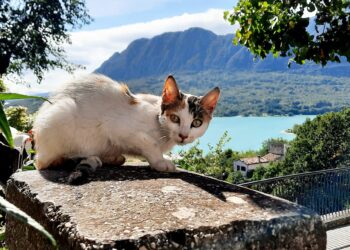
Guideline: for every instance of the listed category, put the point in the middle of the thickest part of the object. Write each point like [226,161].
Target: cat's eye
[174,118]
[196,123]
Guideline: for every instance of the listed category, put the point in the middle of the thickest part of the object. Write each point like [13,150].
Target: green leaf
[5,127]
[28,168]
[14,96]
[226,13]
[2,236]
[18,214]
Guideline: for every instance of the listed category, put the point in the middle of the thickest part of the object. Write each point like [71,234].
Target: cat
[97,120]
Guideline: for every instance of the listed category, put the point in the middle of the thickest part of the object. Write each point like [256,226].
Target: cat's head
[185,116]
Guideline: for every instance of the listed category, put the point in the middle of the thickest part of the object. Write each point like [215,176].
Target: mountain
[196,50]
[200,60]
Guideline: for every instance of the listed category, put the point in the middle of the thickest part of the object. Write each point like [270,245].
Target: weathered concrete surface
[137,208]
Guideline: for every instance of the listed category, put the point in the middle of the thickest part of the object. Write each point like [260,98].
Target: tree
[32,33]
[18,118]
[2,86]
[216,163]
[321,143]
[281,28]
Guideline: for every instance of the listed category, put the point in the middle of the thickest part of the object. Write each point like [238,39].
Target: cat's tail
[84,169]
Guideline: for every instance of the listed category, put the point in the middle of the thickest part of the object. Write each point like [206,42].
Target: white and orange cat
[98,120]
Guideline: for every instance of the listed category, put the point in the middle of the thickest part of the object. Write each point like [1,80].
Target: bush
[321,143]
[218,162]
[19,118]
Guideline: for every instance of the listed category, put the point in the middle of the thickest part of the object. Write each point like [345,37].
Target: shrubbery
[321,143]
[19,118]
[218,162]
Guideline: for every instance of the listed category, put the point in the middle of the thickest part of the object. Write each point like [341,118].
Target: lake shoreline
[247,133]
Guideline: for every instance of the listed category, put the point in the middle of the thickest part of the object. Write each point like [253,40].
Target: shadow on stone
[133,173]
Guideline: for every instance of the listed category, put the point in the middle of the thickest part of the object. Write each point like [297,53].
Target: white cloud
[98,8]
[91,48]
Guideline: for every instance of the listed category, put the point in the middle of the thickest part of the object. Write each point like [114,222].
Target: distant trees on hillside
[285,28]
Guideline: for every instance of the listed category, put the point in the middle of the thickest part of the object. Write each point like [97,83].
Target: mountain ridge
[201,60]
[196,50]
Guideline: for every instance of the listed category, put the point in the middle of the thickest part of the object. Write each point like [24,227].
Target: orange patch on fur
[57,162]
[40,165]
[132,99]
[174,107]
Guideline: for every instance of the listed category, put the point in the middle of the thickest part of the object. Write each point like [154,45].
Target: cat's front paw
[164,166]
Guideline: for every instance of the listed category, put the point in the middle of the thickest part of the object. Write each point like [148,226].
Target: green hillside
[252,93]
[270,93]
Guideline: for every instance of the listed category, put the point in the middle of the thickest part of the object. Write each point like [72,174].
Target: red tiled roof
[263,159]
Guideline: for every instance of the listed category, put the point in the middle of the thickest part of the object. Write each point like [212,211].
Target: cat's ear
[210,100]
[170,91]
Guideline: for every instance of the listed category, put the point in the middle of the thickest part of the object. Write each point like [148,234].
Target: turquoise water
[248,133]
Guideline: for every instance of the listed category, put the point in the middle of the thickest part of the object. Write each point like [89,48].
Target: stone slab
[133,207]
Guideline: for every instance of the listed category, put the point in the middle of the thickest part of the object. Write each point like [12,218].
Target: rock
[134,207]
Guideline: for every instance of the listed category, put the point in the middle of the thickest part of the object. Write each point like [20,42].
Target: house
[246,165]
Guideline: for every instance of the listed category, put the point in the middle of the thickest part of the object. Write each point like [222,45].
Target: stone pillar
[133,207]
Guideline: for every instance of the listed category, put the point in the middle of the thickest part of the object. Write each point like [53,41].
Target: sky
[117,23]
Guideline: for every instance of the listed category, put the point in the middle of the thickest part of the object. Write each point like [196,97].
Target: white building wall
[237,166]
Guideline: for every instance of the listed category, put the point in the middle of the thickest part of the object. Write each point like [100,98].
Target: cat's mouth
[182,142]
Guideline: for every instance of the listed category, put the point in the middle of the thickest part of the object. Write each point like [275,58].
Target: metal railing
[326,192]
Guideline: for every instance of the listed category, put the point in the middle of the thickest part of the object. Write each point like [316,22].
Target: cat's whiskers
[164,139]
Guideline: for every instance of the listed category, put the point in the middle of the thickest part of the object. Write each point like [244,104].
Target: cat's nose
[183,137]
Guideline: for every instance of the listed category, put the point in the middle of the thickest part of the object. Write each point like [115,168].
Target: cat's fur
[100,120]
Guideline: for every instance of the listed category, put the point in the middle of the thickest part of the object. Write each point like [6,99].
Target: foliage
[4,124]
[217,163]
[5,127]
[194,159]
[258,173]
[2,86]
[15,212]
[281,28]
[18,118]
[321,143]
[32,33]
[273,169]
